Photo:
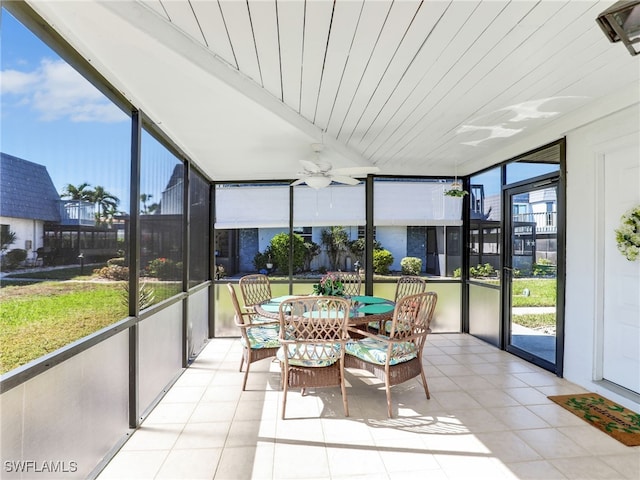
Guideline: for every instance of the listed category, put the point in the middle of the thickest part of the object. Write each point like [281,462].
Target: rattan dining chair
[398,357]
[409,285]
[255,289]
[313,334]
[352,282]
[259,340]
[406,285]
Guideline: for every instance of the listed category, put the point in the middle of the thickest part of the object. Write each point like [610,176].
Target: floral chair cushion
[256,320]
[310,355]
[387,326]
[262,337]
[375,351]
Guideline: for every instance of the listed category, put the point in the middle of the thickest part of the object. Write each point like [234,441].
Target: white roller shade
[252,206]
[415,203]
[334,205]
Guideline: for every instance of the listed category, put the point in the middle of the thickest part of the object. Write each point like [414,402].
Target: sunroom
[203,133]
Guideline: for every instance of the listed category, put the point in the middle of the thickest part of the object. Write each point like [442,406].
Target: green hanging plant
[456,190]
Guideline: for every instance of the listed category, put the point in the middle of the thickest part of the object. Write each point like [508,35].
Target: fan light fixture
[320,174]
[317,181]
[621,22]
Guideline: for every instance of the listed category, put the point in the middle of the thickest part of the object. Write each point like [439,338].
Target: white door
[621,332]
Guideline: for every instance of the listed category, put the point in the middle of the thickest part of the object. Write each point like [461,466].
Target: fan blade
[344,179]
[310,166]
[355,170]
[300,181]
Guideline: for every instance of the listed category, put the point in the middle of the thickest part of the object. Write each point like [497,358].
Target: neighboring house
[28,199]
[31,207]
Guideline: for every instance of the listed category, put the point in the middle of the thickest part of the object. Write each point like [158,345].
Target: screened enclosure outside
[64,203]
[484,226]
[331,223]
[417,228]
[199,229]
[328,235]
[161,222]
[248,217]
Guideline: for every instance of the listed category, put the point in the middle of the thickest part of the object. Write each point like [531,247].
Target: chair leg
[343,387]
[246,375]
[285,387]
[241,362]
[424,383]
[388,388]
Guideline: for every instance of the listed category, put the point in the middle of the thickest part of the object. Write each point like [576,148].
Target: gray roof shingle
[26,190]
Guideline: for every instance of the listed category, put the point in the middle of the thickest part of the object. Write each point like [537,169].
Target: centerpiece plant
[330,284]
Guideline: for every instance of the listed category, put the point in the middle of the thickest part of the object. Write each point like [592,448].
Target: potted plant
[329,285]
[456,190]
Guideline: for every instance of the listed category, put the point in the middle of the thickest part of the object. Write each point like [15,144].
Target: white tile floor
[488,418]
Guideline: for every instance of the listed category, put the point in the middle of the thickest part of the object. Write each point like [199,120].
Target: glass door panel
[530,272]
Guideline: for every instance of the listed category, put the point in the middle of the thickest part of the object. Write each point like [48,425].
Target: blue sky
[52,116]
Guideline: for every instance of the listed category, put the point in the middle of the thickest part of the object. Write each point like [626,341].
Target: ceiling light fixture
[317,181]
[621,22]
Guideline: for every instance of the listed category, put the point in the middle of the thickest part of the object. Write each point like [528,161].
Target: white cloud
[16,82]
[56,91]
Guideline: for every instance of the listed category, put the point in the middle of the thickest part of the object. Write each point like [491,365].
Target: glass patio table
[366,309]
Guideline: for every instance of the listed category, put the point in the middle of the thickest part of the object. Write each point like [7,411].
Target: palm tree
[7,238]
[336,241]
[106,203]
[80,192]
[144,198]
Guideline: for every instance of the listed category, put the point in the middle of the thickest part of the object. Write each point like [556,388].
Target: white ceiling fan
[319,174]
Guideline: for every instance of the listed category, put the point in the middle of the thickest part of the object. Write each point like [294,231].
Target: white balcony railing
[77,212]
[546,222]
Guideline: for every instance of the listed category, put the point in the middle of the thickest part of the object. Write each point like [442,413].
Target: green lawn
[535,320]
[542,292]
[40,318]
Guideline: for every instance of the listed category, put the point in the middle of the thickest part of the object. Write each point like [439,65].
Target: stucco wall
[25,229]
[586,153]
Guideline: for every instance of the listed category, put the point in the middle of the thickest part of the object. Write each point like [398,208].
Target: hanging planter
[456,190]
[628,234]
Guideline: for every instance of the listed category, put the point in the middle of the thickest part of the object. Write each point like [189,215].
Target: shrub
[382,260]
[146,295]
[13,258]
[457,273]
[279,249]
[485,270]
[357,248]
[260,260]
[113,272]
[7,238]
[544,267]
[165,269]
[116,262]
[312,250]
[411,265]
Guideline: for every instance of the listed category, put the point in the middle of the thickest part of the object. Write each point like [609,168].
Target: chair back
[238,316]
[409,285]
[351,281]
[412,319]
[255,289]
[313,329]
